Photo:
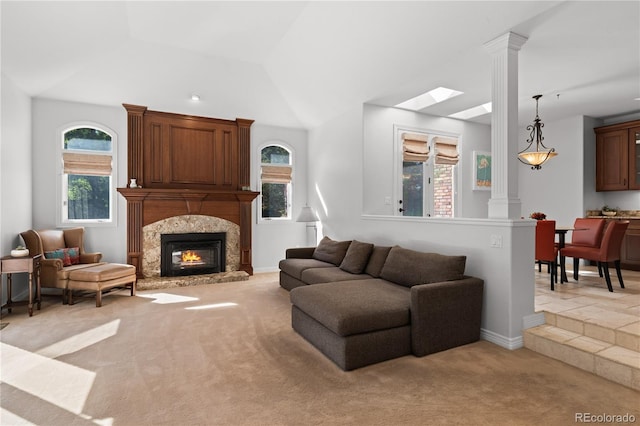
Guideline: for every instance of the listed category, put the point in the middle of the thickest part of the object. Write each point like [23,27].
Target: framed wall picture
[481,171]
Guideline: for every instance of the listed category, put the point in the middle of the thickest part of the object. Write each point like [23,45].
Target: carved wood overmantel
[187,165]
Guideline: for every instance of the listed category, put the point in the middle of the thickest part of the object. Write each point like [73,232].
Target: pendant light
[536,158]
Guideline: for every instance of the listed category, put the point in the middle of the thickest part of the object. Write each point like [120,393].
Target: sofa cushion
[331,251]
[329,275]
[376,261]
[294,267]
[380,305]
[70,256]
[408,267]
[357,257]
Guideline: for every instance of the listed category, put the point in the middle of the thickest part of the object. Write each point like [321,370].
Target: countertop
[623,214]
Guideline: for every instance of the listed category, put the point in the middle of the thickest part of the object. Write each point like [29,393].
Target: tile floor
[589,302]
[589,327]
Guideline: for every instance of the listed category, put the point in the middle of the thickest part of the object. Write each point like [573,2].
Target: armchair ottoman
[100,278]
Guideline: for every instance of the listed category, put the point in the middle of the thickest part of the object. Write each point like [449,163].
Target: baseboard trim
[533,320]
[263,270]
[503,341]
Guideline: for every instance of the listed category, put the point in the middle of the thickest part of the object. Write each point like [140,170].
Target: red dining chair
[609,251]
[546,249]
[587,232]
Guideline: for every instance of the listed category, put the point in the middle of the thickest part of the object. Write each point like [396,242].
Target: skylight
[432,97]
[473,112]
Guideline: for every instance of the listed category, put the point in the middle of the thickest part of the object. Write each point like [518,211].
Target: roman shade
[86,164]
[446,150]
[415,147]
[276,174]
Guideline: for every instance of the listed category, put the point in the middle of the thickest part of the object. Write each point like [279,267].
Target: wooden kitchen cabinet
[618,157]
[634,157]
[630,250]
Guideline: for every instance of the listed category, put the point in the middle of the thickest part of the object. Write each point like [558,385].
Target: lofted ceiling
[300,64]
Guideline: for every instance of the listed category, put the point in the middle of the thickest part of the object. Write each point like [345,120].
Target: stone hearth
[155,283]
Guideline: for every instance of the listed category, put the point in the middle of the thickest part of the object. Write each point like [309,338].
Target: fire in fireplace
[192,254]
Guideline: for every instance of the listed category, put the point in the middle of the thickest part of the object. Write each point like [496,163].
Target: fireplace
[192,254]
[187,166]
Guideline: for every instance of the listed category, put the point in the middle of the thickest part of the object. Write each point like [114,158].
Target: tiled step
[611,352]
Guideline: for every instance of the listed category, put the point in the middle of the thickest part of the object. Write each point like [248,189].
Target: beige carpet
[225,354]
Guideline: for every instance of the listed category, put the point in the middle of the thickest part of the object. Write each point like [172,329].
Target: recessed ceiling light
[432,97]
[473,112]
[195,97]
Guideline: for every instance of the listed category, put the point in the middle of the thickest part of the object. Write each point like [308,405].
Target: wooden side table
[30,265]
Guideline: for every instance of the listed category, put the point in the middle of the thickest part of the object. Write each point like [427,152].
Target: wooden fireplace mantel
[186,165]
[146,206]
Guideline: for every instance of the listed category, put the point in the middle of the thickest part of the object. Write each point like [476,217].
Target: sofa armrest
[300,253]
[445,314]
[90,257]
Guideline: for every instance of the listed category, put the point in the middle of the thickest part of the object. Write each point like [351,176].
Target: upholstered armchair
[62,251]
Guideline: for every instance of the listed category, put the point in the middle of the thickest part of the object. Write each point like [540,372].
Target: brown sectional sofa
[360,304]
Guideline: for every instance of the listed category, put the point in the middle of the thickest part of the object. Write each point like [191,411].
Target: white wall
[335,190]
[557,188]
[15,174]
[49,119]
[272,238]
[565,187]
[378,152]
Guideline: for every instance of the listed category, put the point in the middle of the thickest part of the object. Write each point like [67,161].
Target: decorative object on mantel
[133,183]
[536,158]
[20,251]
[538,216]
[609,211]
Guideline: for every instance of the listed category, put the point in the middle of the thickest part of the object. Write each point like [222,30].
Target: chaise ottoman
[102,277]
[376,328]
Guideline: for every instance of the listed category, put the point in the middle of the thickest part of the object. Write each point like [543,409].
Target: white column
[504,202]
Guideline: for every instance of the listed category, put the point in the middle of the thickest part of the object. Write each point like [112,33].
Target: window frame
[62,181]
[290,185]
[429,169]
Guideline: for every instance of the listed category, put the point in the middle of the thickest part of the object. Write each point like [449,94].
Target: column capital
[512,41]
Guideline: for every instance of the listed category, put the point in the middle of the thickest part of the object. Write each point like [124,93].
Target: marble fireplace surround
[187,224]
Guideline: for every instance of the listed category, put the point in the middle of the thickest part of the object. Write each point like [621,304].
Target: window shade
[446,150]
[276,174]
[415,147]
[86,164]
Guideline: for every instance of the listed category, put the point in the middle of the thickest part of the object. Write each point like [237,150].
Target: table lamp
[307,215]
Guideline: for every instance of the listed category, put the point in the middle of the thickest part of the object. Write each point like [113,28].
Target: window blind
[86,164]
[446,150]
[276,174]
[415,147]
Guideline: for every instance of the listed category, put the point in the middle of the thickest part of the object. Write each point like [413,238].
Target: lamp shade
[307,215]
[536,158]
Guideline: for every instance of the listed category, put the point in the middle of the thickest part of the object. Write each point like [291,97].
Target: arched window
[275,179]
[88,154]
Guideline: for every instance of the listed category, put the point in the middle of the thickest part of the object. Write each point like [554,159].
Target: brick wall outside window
[442,190]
